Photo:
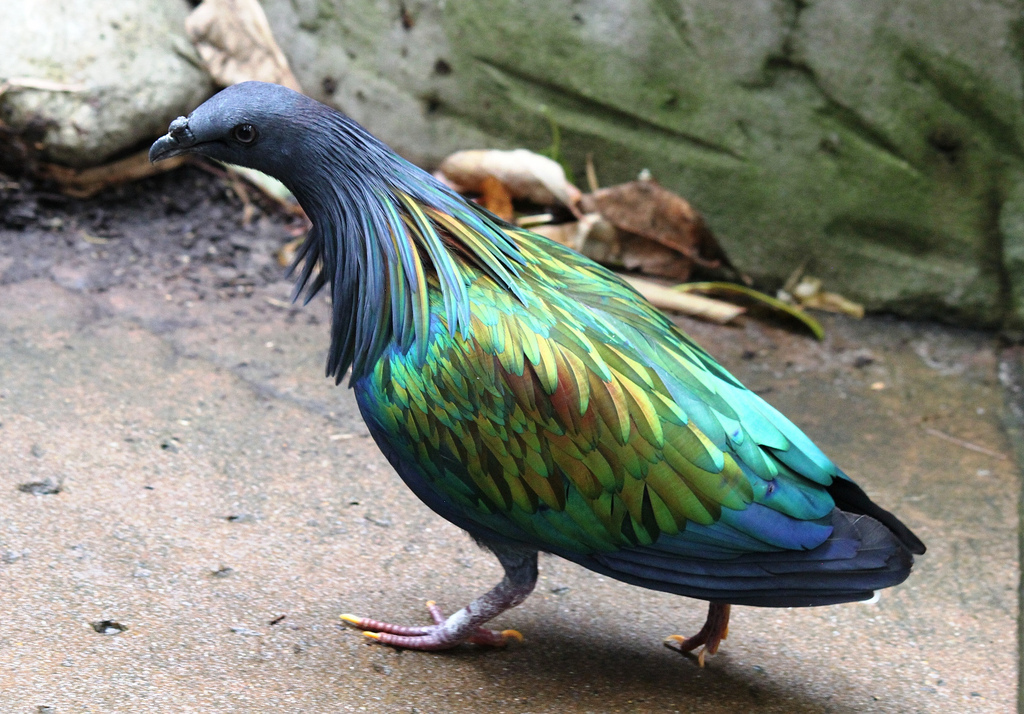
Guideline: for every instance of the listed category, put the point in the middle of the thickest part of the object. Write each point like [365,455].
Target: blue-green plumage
[577,419]
[531,397]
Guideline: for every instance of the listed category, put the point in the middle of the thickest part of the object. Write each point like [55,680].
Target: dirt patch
[182,232]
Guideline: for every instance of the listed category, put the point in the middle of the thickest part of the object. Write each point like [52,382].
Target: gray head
[358,194]
[262,126]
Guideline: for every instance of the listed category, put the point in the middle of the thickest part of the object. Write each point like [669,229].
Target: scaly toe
[366,624]
[682,644]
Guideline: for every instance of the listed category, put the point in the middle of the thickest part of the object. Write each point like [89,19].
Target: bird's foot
[716,629]
[443,634]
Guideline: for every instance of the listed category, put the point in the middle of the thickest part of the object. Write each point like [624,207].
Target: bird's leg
[716,629]
[465,625]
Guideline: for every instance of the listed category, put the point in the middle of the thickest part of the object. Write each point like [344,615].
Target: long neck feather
[382,228]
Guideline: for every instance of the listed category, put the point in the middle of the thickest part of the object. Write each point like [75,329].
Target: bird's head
[369,208]
[253,124]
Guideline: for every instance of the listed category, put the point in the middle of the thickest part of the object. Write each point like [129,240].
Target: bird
[535,400]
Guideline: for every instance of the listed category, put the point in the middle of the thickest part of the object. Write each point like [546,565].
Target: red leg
[716,629]
[464,625]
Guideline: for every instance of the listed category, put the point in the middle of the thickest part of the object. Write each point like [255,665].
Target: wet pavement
[186,506]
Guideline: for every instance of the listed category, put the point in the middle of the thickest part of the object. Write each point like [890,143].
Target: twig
[693,305]
[538,219]
[592,183]
[795,276]
[966,444]
[283,304]
[45,85]
[94,240]
[248,210]
[84,183]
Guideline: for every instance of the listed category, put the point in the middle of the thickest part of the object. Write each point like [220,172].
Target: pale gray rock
[133,65]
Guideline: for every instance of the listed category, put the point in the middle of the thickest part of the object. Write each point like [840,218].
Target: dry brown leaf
[235,42]
[660,232]
[83,183]
[524,174]
[641,254]
[599,240]
[286,253]
[495,198]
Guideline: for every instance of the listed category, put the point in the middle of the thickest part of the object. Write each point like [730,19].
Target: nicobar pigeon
[532,398]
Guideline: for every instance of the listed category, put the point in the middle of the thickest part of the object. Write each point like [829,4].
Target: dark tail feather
[851,498]
[862,555]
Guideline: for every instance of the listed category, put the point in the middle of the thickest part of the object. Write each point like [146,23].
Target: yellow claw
[430,603]
[679,640]
[512,635]
[372,635]
[351,619]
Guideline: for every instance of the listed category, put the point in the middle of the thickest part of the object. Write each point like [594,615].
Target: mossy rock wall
[880,141]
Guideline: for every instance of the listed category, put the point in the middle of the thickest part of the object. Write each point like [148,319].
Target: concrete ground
[186,506]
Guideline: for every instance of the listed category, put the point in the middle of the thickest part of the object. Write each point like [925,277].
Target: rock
[879,140]
[129,62]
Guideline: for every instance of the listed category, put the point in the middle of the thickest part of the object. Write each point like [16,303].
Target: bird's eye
[244,133]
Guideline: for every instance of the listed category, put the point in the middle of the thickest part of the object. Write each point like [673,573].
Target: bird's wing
[583,421]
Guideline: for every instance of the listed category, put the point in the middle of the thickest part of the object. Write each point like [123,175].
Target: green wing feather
[577,416]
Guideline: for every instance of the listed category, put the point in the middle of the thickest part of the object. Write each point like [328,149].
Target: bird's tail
[851,498]
[862,555]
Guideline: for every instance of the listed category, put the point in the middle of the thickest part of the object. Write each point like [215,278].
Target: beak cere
[178,140]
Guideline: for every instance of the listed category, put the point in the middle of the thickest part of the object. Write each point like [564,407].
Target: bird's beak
[178,140]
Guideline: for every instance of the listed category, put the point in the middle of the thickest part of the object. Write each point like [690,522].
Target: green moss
[883,139]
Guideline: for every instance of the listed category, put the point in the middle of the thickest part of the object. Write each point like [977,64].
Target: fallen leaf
[731,288]
[523,173]
[640,254]
[495,198]
[599,240]
[236,44]
[661,233]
